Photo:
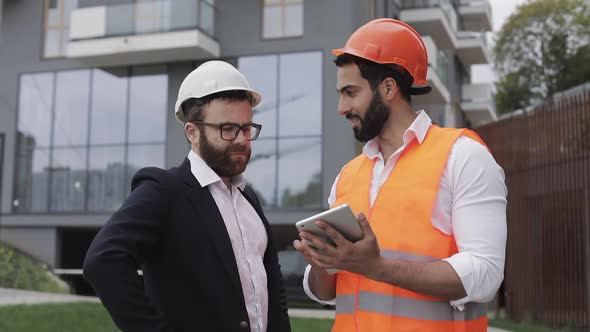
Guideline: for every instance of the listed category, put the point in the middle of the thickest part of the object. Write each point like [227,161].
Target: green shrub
[19,270]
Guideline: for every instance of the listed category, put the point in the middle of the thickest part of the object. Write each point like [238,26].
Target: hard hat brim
[256,96]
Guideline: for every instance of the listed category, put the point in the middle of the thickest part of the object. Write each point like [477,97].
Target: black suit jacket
[171,228]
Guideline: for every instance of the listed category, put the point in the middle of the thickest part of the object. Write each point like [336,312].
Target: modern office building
[87,89]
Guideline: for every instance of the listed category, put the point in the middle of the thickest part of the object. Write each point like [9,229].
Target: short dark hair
[375,73]
[192,108]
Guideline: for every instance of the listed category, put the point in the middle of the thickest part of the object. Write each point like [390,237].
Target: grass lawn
[91,317]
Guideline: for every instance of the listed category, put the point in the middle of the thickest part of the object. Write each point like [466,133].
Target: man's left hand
[362,257]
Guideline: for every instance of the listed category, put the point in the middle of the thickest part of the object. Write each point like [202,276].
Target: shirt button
[244,324]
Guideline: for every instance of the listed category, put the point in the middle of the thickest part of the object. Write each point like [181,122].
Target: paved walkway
[17,296]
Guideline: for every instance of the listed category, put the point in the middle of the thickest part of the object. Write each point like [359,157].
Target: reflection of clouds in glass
[106,178]
[109,102]
[300,159]
[260,173]
[71,107]
[72,158]
[35,102]
[301,94]
[40,160]
[140,156]
[147,117]
[261,72]
[103,157]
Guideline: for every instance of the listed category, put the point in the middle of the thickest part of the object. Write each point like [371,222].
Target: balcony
[476,15]
[436,76]
[145,32]
[435,18]
[472,48]
[478,103]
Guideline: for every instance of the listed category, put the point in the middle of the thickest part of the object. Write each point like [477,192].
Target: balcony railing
[445,5]
[159,16]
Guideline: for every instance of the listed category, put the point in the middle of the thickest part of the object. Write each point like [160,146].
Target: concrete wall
[41,243]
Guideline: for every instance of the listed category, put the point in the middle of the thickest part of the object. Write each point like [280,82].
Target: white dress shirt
[471,205]
[247,235]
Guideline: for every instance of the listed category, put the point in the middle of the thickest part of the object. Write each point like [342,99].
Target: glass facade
[82,134]
[286,164]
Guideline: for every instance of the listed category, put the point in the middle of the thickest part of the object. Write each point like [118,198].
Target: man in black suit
[196,231]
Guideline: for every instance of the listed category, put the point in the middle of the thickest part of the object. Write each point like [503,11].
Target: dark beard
[374,120]
[221,161]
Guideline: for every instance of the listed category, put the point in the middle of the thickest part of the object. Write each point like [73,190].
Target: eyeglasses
[230,131]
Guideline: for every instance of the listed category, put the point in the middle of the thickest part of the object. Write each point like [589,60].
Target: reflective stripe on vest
[409,308]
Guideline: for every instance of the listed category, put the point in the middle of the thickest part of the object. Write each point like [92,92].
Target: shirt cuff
[308,290]
[462,265]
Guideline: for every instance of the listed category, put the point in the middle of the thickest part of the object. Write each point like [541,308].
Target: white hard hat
[209,78]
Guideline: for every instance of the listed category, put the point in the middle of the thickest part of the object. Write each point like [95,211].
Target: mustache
[351,115]
[238,148]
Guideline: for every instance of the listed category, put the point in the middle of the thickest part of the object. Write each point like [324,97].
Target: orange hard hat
[389,41]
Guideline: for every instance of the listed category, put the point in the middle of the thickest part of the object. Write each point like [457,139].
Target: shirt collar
[418,129]
[206,176]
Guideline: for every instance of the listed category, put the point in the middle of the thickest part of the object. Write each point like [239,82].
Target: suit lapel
[206,209]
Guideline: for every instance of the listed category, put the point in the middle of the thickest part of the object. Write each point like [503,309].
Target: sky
[501,10]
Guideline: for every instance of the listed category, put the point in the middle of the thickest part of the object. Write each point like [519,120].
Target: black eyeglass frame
[239,128]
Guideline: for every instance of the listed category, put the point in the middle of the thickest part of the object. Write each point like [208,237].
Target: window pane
[272,2]
[71,108]
[147,114]
[120,20]
[148,17]
[272,22]
[302,157]
[53,17]
[207,18]
[31,177]
[35,103]
[68,179]
[106,178]
[69,6]
[260,173]
[183,14]
[300,110]
[109,104]
[139,156]
[294,20]
[53,45]
[261,72]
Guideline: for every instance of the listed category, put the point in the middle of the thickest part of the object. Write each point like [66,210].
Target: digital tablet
[341,218]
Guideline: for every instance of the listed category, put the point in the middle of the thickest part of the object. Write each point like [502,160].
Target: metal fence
[545,154]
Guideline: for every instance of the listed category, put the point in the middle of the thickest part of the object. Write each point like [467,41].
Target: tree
[542,49]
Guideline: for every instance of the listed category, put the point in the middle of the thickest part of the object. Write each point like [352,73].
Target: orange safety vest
[401,218]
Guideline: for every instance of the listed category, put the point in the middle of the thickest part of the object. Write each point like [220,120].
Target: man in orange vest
[431,202]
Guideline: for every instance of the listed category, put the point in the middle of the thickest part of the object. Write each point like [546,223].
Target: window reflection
[58,152]
[299,183]
[71,108]
[68,179]
[262,75]
[261,171]
[106,178]
[291,115]
[35,103]
[139,156]
[301,94]
[148,95]
[109,107]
